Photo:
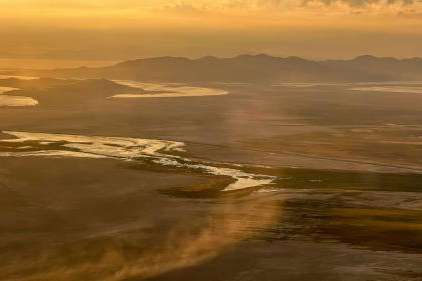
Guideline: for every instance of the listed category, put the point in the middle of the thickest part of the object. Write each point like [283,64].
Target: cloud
[196,5]
[294,6]
[362,3]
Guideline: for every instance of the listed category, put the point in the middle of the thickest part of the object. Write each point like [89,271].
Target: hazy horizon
[128,153]
[20,63]
[55,33]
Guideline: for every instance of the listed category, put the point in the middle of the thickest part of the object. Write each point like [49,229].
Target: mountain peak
[249,67]
[370,58]
[365,58]
[258,56]
[208,58]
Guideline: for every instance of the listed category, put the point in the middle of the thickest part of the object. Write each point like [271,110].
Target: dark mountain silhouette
[250,68]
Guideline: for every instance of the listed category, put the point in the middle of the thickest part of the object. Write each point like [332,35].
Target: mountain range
[249,68]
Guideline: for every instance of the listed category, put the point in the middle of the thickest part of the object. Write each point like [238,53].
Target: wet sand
[391,89]
[344,205]
[15,101]
[166,90]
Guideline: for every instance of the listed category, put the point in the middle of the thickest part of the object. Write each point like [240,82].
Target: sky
[57,33]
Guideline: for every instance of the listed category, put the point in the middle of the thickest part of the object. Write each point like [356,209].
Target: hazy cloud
[194,5]
[125,29]
[294,6]
[363,3]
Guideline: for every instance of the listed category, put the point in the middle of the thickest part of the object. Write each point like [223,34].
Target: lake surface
[285,182]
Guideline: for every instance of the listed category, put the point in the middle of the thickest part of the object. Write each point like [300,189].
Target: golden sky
[109,30]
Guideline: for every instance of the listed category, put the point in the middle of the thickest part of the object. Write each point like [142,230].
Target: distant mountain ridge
[251,68]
